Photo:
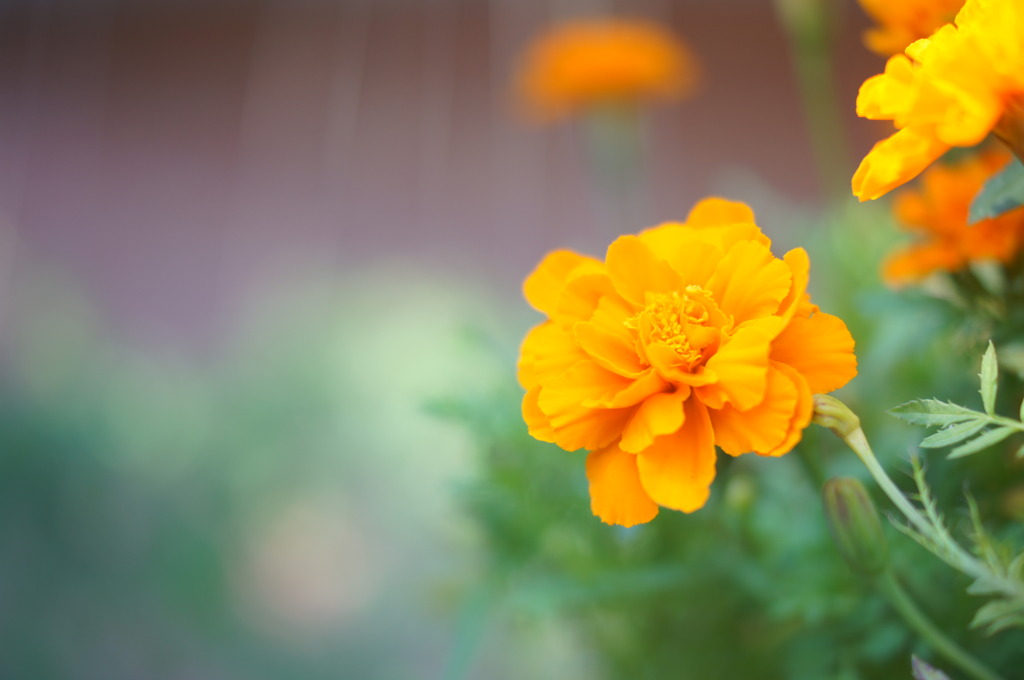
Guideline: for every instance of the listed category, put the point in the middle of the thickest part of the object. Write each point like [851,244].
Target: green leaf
[998,615]
[923,671]
[988,375]
[983,441]
[933,412]
[1001,193]
[986,584]
[954,434]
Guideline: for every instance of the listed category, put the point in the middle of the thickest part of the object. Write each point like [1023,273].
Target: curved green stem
[835,415]
[919,622]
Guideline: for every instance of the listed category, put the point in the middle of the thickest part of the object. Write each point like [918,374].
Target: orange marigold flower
[686,337]
[951,89]
[603,61]
[901,22]
[937,215]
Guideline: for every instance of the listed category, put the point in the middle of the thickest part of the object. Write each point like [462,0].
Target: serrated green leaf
[999,615]
[933,412]
[1016,568]
[988,375]
[923,671]
[985,585]
[954,434]
[1001,193]
[982,441]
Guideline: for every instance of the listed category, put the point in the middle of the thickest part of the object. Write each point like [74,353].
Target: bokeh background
[244,246]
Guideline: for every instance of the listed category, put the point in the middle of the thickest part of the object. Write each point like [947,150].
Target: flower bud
[835,415]
[855,525]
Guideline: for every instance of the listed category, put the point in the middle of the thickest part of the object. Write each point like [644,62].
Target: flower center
[688,322]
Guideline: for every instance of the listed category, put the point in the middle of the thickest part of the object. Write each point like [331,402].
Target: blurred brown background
[174,154]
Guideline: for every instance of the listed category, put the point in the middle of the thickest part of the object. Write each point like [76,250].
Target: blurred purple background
[176,156]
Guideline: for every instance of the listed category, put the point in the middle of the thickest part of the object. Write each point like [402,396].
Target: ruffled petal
[636,271]
[658,415]
[802,414]
[586,382]
[616,495]
[547,351]
[896,160]
[572,426]
[582,296]
[763,427]
[544,285]
[741,366]
[536,422]
[715,212]
[677,470]
[750,282]
[800,268]
[686,249]
[889,94]
[820,348]
[610,351]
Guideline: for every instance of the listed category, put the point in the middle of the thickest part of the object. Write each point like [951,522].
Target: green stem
[859,444]
[951,551]
[809,26]
[837,416]
[918,621]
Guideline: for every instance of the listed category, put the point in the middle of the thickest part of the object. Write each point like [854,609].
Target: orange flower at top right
[901,22]
[936,213]
[951,89]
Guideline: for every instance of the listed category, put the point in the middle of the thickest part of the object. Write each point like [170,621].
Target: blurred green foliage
[277,509]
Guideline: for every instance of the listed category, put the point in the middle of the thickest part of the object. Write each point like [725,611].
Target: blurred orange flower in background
[591,62]
[901,22]
[937,214]
[686,337]
[951,89]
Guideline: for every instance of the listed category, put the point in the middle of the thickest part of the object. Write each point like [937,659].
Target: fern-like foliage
[967,430]
[997,568]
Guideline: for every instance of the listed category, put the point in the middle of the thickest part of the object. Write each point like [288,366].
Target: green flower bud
[835,415]
[855,525]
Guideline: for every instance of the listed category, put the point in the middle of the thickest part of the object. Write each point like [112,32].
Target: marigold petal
[544,285]
[636,271]
[800,268]
[887,95]
[677,470]
[609,350]
[914,263]
[616,495]
[548,350]
[689,253]
[658,415]
[536,422]
[763,427]
[750,282]
[587,381]
[741,366]
[645,385]
[896,160]
[572,426]
[820,348]
[581,297]
[715,212]
[802,414]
